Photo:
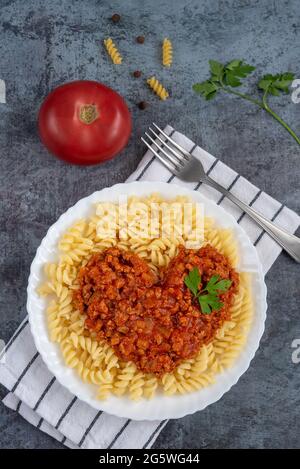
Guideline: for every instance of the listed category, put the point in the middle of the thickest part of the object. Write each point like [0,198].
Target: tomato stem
[88,113]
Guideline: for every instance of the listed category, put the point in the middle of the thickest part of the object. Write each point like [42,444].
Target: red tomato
[84,122]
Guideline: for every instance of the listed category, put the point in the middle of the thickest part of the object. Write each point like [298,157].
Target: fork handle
[290,243]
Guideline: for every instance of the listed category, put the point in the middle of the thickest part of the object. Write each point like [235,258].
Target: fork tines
[172,155]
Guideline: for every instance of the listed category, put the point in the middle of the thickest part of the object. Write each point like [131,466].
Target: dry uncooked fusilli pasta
[96,362]
[158,88]
[167,52]
[113,51]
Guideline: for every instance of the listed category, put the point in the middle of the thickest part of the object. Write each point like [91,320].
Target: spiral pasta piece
[136,386]
[124,378]
[113,51]
[106,387]
[69,354]
[56,326]
[150,386]
[158,88]
[169,384]
[86,343]
[167,52]
[199,364]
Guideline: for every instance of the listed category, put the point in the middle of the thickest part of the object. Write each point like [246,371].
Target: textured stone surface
[44,44]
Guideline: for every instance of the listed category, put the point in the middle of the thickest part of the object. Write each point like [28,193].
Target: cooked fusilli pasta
[124,378]
[96,362]
[136,386]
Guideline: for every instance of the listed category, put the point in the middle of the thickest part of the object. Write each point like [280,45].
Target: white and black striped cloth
[40,399]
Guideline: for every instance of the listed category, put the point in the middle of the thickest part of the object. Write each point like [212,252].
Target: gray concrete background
[43,44]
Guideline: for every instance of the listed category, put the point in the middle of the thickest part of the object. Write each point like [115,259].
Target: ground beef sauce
[154,322]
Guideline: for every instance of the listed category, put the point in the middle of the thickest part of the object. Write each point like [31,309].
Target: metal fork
[188,168]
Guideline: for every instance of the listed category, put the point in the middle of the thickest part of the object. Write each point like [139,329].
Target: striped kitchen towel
[40,399]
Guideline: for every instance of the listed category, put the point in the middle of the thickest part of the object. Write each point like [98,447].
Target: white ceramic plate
[160,407]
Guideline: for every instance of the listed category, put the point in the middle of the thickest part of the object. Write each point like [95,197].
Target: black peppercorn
[142,105]
[116,18]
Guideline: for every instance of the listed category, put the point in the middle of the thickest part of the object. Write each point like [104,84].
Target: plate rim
[153,186]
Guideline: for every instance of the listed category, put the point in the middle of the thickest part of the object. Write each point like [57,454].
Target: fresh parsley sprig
[208,297]
[227,77]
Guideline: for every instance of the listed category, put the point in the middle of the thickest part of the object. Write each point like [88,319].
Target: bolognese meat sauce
[154,322]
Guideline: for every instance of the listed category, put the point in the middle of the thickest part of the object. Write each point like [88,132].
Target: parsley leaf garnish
[209,303]
[227,77]
[192,280]
[208,296]
[235,70]
[214,285]
[275,84]
[221,75]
